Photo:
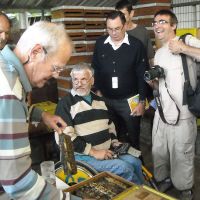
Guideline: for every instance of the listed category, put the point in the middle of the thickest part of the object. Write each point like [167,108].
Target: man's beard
[82,92]
[2,43]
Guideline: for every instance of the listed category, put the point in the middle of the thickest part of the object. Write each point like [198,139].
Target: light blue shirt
[13,62]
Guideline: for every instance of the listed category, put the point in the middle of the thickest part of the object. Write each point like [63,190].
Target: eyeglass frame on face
[117,30]
[54,68]
[83,81]
[160,22]
[58,69]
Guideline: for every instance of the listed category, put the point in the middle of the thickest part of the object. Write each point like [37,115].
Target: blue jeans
[126,166]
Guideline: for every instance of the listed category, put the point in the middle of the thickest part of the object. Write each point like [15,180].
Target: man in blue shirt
[40,54]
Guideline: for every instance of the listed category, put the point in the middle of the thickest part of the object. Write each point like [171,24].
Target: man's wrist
[142,102]
[91,153]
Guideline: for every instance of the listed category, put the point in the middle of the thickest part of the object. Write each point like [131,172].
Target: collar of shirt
[115,47]
[88,98]
[11,58]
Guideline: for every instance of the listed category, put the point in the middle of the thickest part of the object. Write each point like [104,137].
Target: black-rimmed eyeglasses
[116,30]
[58,69]
[55,68]
[161,22]
[82,81]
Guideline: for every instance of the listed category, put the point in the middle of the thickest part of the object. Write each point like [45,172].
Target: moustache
[2,41]
[80,87]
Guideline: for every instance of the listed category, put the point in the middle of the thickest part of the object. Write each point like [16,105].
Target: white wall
[188,15]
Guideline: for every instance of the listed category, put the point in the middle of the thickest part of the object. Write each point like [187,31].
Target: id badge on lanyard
[115,82]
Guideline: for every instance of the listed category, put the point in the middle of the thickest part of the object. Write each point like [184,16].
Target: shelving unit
[84,25]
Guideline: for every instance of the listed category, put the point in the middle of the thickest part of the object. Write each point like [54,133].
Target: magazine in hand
[133,102]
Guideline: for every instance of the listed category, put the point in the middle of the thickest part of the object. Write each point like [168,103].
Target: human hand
[116,144]
[153,83]
[53,121]
[98,93]
[176,46]
[101,154]
[139,110]
[150,83]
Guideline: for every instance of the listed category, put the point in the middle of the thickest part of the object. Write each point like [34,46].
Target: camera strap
[159,105]
[187,85]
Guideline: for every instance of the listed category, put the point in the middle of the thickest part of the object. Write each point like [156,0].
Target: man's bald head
[5,26]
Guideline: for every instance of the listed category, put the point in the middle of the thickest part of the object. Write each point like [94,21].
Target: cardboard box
[47,106]
[35,128]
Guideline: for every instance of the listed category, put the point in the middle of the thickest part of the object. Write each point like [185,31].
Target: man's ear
[92,80]
[174,26]
[36,52]
[132,14]
[124,27]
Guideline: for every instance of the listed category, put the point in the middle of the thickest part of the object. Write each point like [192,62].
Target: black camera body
[125,148]
[155,72]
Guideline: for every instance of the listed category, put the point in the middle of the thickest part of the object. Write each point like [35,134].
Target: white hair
[49,35]
[81,67]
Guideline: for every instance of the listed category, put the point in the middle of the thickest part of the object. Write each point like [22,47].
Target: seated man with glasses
[91,131]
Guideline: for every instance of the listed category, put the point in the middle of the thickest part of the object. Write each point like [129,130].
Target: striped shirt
[16,176]
[88,123]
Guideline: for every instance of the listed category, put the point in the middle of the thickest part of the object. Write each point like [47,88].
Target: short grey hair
[81,67]
[49,35]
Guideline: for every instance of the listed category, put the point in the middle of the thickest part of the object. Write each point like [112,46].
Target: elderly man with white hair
[40,54]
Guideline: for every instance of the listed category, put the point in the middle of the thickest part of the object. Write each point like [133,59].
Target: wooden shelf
[84,25]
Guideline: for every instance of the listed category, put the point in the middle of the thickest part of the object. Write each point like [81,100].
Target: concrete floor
[147,156]
[146,149]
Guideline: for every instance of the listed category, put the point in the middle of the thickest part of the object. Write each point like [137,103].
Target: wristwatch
[142,102]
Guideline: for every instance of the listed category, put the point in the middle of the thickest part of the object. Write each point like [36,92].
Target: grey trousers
[4,196]
[173,151]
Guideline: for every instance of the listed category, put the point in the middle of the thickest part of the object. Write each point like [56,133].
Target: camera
[155,72]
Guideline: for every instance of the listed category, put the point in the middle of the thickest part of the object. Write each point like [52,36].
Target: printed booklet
[134,100]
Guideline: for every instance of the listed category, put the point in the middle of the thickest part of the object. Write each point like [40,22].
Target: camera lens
[155,72]
[147,76]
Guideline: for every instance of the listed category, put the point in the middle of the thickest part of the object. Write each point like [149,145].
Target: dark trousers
[127,126]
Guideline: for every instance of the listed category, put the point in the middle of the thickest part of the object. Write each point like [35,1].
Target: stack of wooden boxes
[84,25]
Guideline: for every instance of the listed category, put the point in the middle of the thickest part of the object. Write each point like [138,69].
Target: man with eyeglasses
[31,63]
[136,30]
[119,61]
[174,143]
[91,130]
